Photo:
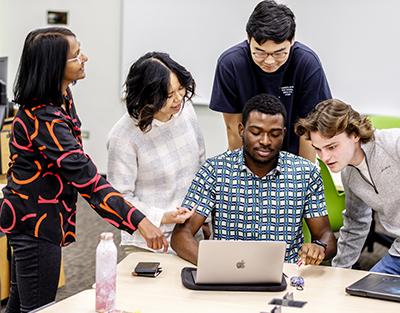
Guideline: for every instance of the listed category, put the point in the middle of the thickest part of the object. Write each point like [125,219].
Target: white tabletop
[324,291]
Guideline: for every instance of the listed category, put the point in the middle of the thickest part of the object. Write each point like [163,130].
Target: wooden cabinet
[4,267]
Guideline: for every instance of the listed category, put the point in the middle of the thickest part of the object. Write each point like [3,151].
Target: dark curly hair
[147,86]
[271,21]
[264,103]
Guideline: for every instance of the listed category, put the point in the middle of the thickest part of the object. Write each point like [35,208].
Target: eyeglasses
[78,58]
[275,55]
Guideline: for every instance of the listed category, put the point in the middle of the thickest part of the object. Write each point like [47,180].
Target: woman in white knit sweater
[156,148]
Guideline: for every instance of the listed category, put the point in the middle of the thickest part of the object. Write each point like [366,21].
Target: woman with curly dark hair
[156,148]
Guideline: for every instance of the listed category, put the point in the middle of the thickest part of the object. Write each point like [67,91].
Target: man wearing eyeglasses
[270,61]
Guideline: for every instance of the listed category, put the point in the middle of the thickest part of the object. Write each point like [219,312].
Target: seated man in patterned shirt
[258,192]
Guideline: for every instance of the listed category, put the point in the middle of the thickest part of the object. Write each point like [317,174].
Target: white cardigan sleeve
[122,170]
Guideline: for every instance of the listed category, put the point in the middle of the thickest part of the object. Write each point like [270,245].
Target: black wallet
[148,269]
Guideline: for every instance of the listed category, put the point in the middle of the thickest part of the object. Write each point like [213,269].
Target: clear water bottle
[106,272]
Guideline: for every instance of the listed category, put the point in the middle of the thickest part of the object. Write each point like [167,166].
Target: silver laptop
[240,262]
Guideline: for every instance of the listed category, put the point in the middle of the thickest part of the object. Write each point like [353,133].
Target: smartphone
[147,267]
[150,269]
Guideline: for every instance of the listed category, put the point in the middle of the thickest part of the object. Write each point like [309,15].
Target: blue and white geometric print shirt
[247,207]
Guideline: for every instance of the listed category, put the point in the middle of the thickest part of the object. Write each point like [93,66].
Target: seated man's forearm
[321,230]
[184,244]
[330,240]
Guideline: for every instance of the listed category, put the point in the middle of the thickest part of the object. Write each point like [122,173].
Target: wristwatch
[324,245]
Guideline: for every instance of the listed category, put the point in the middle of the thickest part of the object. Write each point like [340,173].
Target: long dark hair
[147,86]
[42,67]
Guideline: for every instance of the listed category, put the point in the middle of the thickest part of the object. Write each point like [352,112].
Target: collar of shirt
[158,123]
[363,167]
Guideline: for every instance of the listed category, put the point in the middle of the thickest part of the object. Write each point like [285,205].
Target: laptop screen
[240,262]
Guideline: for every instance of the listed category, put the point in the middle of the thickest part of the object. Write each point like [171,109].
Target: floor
[79,257]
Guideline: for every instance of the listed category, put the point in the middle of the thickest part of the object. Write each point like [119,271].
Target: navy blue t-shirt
[300,83]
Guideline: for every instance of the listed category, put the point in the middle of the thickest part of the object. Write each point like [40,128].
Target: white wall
[193,32]
[213,128]
[358,46]
[355,39]
[97,26]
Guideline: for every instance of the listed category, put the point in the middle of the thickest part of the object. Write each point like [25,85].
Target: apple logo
[240,264]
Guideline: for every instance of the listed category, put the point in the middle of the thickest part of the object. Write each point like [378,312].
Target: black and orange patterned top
[48,167]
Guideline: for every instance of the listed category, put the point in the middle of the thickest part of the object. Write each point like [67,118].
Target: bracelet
[324,245]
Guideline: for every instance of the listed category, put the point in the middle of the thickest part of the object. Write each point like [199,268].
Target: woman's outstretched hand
[153,235]
[179,216]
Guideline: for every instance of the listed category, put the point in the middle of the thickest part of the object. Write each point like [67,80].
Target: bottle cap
[107,236]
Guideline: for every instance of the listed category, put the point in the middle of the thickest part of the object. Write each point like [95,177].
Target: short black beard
[257,161]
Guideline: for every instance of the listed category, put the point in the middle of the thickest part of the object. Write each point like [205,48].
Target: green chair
[380,122]
[384,122]
[335,203]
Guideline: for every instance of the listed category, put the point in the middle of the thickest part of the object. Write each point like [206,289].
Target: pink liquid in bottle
[106,272]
